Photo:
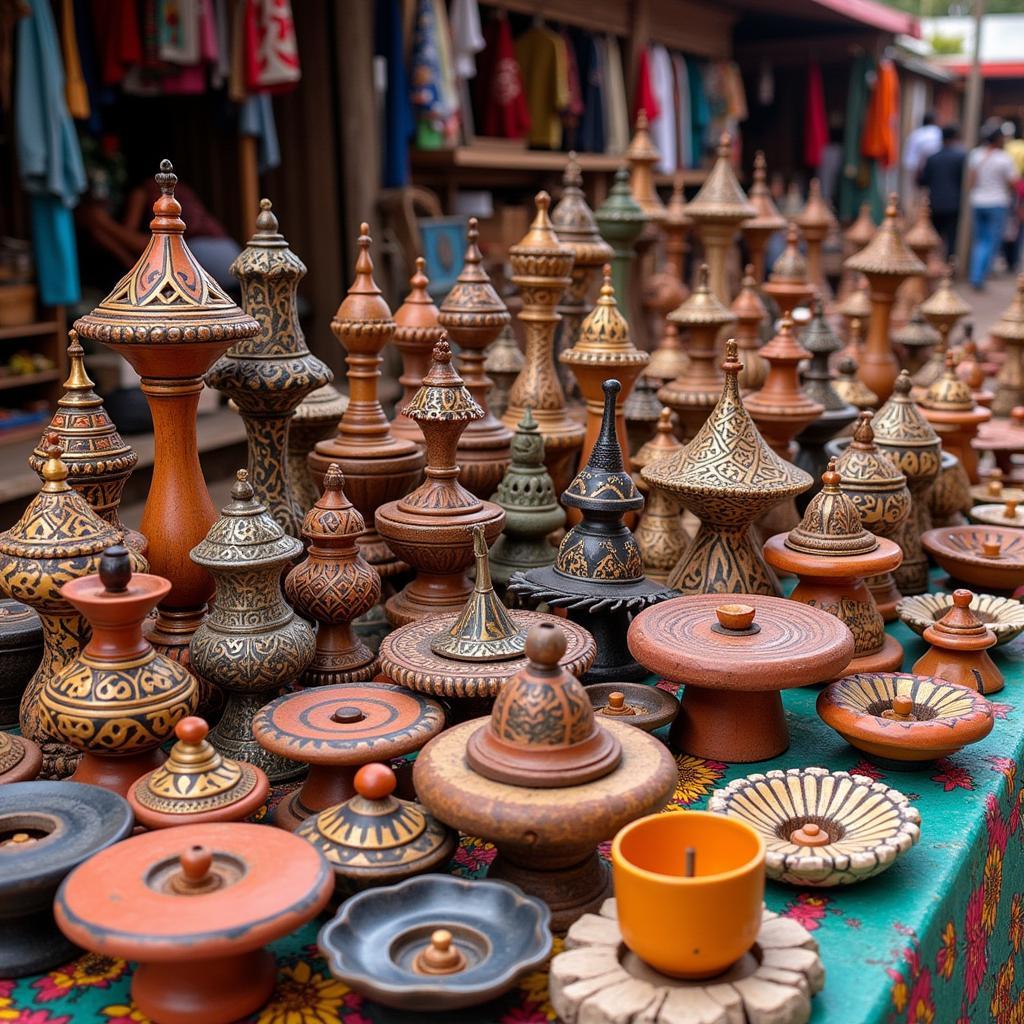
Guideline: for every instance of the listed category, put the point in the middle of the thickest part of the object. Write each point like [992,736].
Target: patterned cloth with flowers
[937,939]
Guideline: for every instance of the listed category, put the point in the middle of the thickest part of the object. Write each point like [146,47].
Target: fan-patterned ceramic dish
[903,720]
[986,557]
[822,828]
[1003,615]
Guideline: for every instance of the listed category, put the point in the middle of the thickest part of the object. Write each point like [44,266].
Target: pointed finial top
[166,179]
[607,291]
[864,433]
[572,177]
[242,490]
[166,209]
[54,470]
[903,383]
[266,221]
[542,201]
[760,167]
[334,479]
[442,352]
[724,146]
[830,478]
[641,120]
[731,365]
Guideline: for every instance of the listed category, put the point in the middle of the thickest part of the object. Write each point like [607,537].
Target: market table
[931,941]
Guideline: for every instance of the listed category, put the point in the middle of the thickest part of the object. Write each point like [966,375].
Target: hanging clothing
[591,137]
[222,63]
[501,110]
[256,118]
[815,118]
[664,126]
[49,159]
[271,49]
[700,110]
[76,94]
[881,138]
[118,38]
[574,108]
[434,95]
[644,97]
[617,124]
[542,58]
[684,130]
[399,125]
[859,180]
[178,31]
[467,39]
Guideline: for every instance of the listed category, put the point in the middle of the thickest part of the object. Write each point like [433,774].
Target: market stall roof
[831,14]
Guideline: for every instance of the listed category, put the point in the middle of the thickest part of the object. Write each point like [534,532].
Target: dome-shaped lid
[831,525]
[574,220]
[887,254]
[416,318]
[58,522]
[542,731]
[333,521]
[944,304]
[196,778]
[442,397]
[817,215]
[703,307]
[720,197]
[364,303]
[620,210]
[850,388]
[948,393]
[663,443]
[245,534]
[484,631]
[790,267]
[857,304]
[1010,326]
[862,230]
[473,299]
[862,461]
[960,629]
[642,405]
[916,332]
[603,337]
[899,422]
[748,307]
[167,297]
[766,213]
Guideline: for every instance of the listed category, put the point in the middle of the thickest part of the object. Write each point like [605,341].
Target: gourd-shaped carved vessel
[58,538]
[333,585]
[170,320]
[97,458]
[252,644]
[119,700]
[268,376]
[428,528]
[532,512]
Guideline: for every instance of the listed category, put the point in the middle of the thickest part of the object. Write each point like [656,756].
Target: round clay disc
[797,644]
[119,903]
[650,707]
[348,724]
[406,658]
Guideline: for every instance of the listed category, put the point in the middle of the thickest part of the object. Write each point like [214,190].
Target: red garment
[271,49]
[880,140]
[815,119]
[118,38]
[645,99]
[501,99]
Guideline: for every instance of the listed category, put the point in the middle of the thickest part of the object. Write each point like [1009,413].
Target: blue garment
[49,157]
[257,118]
[592,86]
[986,237]
[399,123]
[700,109]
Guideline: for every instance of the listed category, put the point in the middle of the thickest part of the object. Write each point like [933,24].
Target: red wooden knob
[195,863]
[375,781]
[191,729]
[963,598]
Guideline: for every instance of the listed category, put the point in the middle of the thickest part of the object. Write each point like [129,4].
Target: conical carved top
[850,388]
[167,298]
[443,396]
[820,340]
[574,220]
[542,731]
[816,216]
[1010,326]
[900,425]
[663,443]
[960,629]
[333,522]
[862,230]
[363,306]
[831,525]
[417,315]
[484,631]
[642,156]
[504,356]
[916,332]
[790,267]
[949,393]
[245,535]
[819,336]
[748,307]
[472,311]
[620,216]
[604,334]
[944,305]
[887,254]
[642,405]
[702,308]
[862,461]
[720,197]
[922,237]
[766,214]
[856,304]
[540,242]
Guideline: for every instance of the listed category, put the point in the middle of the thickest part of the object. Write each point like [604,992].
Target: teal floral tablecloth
[937,939]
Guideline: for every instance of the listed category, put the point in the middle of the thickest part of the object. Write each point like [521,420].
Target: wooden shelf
[26,432]
[20,380]
[30,330]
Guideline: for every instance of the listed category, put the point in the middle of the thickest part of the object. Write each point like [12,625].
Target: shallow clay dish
[961,551]
[377,942]
[822,828]
[646,707]
[1003,615]
[904,720]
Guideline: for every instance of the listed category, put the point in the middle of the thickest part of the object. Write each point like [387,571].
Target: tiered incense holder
[789,284]
[949,407]
[758,230]
[815,221]
[942,310]
[990,558]
[751,314]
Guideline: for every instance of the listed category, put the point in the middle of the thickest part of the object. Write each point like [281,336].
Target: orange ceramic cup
[688,927]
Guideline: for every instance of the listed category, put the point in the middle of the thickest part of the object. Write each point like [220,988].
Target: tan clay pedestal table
[336,730]
[735,658]
[545,782]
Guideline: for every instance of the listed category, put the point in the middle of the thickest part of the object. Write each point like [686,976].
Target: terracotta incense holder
[914,340]
[942,310]
[504,362]
[545,785]
[789,284]
[1009,329]
[766,222]
[46,830]
[1004,438]
[949,407]
[751,314]
[1006,514]
[644,707]
[735,658]
[990,558]
[20,759]
[1003,615]
[21,650]
[992,489]
[336,730]
[904,721]
[831,553]
[170,320]
[815,221]
[195,906]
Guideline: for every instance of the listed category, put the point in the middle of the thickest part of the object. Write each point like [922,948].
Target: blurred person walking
[942,175]
[991,175]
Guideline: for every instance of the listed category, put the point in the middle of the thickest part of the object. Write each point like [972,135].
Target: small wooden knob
[375,781]
[902,709]
[735,616]
[616,706]
[195,863]
[810,834]
[962,598]
[441,956]
[19,839]
[995,486]
[1010,511]
[192,729]
[347,714]
[545,644]
[115,569]
[991,548]
[616,700]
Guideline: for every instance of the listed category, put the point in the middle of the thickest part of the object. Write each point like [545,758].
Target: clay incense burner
[336,730]
[728,477]
[21,650]
[751,314]
[904,721]
[474,317]
[788,284]
[735,665]
[815,221]
[120,699]
[378,466]
[1007,514]
[598,576]
[758,230]
[547,836]
[195,906]
[436,943]
[170,320]
[503,363]
[637,704]
[429,527]
[915,339]
[942,310]
[97,458]
[374,838]
[822,828]
[1003,615]
[831,553]
[252,644]
[949,407]
[959,644]
[197,784]
[849,387]
[46,830]
[333,585]
[992,489]
[990,558]
[20,759]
